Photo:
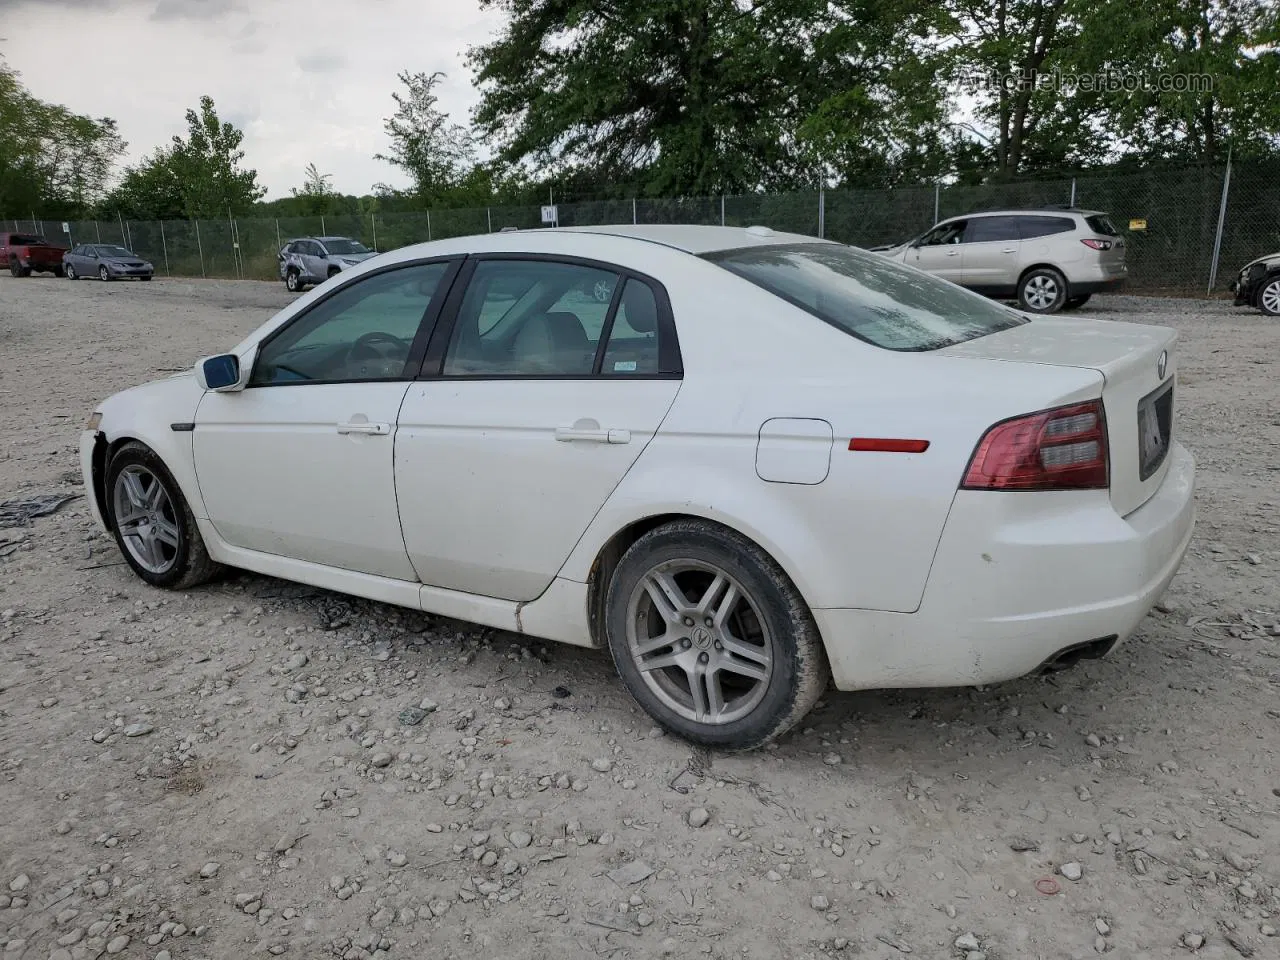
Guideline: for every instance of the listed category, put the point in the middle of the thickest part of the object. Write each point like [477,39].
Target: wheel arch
[1044,266]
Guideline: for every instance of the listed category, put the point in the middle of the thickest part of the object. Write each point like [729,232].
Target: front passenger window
[362,332]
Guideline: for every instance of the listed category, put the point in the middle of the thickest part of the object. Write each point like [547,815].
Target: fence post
[489,216]
[1222,216]
[164,245]
[98,229]
[200,247]
[278,243]
[1073,193]
[373,222]
[128,232]
[937,198]
[722,209]
[428,224]
[634,221]
[822,211]
[322,229]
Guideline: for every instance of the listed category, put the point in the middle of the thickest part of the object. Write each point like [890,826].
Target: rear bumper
[1017,580]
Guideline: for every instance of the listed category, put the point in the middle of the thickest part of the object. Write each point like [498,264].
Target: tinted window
[952,232]
[362,332]
[530,318]
[1100,223]
[633,339]
[986,229]
[874,299]
[25,240]
[110,250]
[343,247]
[1031,227]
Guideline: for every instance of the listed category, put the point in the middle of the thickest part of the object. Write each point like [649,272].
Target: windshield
[109,250]
[869,296]
[24,240]
[341,247]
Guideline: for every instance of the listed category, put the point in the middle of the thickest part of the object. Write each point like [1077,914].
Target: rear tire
[1042,290]
[17,269]
[1269,297]
[751,660]
[1075,303]
[160,539]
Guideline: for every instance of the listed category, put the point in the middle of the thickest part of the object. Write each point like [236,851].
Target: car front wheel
[712,638]
[1269,297]
[292,282]
[154,527]
[1043,290]
[70,272]
[103,273]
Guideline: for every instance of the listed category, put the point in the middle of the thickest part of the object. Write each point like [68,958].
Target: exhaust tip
[1068,657]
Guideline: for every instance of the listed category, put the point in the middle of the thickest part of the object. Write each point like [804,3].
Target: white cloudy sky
[309,81]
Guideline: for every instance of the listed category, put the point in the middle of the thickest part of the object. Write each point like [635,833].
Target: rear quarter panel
[866,535]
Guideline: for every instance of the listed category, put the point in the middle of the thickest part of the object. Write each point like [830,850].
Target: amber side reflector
[888,445]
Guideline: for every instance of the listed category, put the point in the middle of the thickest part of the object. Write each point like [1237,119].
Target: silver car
[1048,260]
[106,261]
[310,260]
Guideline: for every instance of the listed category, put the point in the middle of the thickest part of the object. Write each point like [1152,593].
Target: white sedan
[758,462]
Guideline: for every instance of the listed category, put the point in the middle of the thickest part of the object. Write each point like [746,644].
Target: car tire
[1042,290]
[1269,297]
[145,278]
[756,622]
[1075,303]
[70,272]
[17,269]
[59,271]
[292,281]
[104,274]
[174,558]
[333,272]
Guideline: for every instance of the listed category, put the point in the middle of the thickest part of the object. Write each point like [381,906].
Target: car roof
[695,239]
[1031,211]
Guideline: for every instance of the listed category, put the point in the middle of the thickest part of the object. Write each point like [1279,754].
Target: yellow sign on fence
[1137,224]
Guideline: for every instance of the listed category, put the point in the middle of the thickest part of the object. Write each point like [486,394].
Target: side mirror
[220,373]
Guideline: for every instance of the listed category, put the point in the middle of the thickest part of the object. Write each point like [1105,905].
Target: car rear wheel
[154,527]
[17,269]
[1269,297]
[103,273]
[1075,303]
[1043,290]
[712,638]
[292,282]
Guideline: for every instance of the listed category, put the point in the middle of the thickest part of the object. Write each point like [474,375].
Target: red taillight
[1097,244]
[1060,449]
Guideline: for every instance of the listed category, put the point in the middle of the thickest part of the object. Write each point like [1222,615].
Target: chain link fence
[1187,229]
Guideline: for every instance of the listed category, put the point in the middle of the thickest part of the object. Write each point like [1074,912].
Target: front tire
[1269,297]
[292,282]
[1043,290]
[153,525]
[103,273]
[712,638]
[70,272]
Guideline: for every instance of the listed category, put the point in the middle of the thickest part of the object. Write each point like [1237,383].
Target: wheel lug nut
[703,658]
[686,644]
[688,621]
[709,622]
[719,645]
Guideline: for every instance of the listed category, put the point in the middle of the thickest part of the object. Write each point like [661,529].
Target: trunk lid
[1137,392]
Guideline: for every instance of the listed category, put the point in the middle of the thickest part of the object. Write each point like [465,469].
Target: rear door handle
[568,434]
[1009,250]
[953,253]
[365,427]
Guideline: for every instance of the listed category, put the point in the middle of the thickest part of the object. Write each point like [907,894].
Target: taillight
[1060,449]
[1097,244]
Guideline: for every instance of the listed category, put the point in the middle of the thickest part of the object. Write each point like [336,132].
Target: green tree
[148,190]
[317,197]
[437,154]
[207,165]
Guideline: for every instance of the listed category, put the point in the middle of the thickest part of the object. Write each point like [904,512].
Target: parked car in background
[106,261]
[25,253]
[1258,285]
[698,474]
[1048,260]
[310,260]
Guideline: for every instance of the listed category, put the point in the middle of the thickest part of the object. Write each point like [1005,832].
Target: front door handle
[953,253]
[1009,250]
[568,434]
[365,427]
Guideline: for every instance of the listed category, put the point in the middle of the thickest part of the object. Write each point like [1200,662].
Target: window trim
[670,360]
[427,323]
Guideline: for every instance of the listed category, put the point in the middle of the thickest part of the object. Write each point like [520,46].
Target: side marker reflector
[888,445]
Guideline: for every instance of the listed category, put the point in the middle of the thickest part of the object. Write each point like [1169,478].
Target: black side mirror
[220,372]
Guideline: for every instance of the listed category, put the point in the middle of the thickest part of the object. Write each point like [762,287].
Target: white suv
[1048,260]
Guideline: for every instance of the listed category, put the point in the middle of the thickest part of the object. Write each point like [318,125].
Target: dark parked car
[105,260]
[1258,285]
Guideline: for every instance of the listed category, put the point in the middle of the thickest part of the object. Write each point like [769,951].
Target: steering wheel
[371,344]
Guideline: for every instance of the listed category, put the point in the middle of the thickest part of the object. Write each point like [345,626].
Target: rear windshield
[1100,223]
[23,240]
[869,296]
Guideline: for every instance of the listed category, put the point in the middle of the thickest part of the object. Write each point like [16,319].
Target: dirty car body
[762,461]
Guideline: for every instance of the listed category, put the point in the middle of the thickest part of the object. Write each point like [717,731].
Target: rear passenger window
[988,229]
[633,341]
[1032,227]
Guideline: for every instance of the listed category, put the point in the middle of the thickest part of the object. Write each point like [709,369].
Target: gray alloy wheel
[103,273]
[291,281]
[1269,298]
[146,519]
[71,272]
[698,640]
[1043,290]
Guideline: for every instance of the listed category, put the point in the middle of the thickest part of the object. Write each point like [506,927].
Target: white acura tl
[757,462]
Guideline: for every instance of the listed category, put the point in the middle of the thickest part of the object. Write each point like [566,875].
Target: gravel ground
[260,767]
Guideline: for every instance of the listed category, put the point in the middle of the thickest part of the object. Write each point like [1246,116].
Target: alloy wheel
[1041,292]
[1270,298]
[145,516]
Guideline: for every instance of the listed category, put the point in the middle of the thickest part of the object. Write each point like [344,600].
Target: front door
[940,251]
[544,398]
[299,464]
[991,254]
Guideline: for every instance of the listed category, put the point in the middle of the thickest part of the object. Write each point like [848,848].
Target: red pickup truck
[24,252]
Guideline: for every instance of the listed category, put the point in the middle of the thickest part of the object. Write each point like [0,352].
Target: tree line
[657,98]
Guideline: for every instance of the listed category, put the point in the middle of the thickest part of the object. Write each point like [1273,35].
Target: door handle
[1009,250]
[953,253]
[365,427]
[568,434]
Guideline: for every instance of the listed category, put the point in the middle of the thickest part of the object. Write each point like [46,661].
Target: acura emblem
[1163,364]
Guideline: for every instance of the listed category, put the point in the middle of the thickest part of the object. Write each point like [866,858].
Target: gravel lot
[258,767]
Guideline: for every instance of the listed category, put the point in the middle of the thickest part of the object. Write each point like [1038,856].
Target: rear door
[532,407]
[940,251]
[990,255]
